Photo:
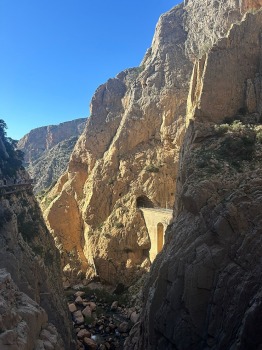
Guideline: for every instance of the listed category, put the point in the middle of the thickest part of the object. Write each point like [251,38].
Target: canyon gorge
[159,195]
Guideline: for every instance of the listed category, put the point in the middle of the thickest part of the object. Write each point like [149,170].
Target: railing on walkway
[9,187]
[156,209]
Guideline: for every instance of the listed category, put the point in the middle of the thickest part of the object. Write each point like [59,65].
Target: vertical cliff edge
[204,289]
[34,312]
[47,151]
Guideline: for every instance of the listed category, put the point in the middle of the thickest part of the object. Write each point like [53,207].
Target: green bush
[28,229]
[259,136]
[221,129]
[237,147]
[38,250]
[5,216]
[119,225]
[237,126]
[151,168]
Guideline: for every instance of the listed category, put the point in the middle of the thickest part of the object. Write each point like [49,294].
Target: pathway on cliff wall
[156,220]
[13,188]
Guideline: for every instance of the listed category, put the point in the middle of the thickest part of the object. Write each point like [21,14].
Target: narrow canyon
[139,227]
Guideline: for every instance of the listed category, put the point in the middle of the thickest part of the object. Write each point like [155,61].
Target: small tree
[3,127]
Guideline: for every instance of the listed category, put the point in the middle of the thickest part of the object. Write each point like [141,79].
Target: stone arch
[144,202]
[160,236]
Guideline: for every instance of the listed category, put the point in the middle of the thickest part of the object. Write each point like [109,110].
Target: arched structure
[144,202]
[156,220]
[160,236]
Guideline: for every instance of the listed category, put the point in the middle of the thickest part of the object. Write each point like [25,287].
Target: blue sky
[55,53]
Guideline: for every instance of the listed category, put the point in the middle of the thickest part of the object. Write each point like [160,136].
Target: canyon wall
[130,149]
[183,128]
[47,151]
[34,313]
[204,289]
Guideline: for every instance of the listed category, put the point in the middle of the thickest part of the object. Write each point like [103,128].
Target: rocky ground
[101,320]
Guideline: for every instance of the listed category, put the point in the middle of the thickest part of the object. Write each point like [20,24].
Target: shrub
[28,229]
[221,129]
[151,168]
[38,250]
[238,147]
[119,225]
[5,216]
[237,126]
[111,181]
[259,136]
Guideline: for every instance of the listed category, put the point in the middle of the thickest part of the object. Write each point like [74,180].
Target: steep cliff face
[31,284]
[47,151]
[204,290]
[41,139]
[47,169]
[130,149]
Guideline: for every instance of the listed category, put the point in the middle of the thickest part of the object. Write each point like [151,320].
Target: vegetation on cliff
[11,158]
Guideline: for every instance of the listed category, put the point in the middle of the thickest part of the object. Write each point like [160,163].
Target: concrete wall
[153,217]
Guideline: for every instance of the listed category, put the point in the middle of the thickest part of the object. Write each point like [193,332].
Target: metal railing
[156,209]
[12,186]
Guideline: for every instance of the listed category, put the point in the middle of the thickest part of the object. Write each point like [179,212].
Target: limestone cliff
[204,290]
[47,151]
[130,149]
[33,310]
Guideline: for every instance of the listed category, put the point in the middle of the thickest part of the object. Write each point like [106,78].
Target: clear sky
[55,53]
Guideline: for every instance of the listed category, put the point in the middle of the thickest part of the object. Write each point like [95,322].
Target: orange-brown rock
[250,5]
[130,148]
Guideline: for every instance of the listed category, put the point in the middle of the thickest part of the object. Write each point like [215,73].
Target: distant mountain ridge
[47,150]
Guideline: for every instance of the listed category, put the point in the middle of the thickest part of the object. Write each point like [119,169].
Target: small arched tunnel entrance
[144,202]
[160,236]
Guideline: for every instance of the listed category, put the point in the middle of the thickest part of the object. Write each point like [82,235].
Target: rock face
[130,149]
[47,151]
[250,5]
[24,324]
[184,127]
[204,290]
[33,309]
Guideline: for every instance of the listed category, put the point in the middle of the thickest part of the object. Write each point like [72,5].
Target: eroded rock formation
[131,147]
[47,151]
[184,127]
[24,324]
[204,290]
[33,309]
